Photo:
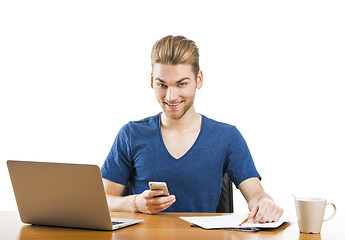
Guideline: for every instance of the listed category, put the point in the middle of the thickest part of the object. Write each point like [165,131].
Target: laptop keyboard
[116,223]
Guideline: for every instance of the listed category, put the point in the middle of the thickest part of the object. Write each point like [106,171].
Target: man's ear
[151,80]
[199,80]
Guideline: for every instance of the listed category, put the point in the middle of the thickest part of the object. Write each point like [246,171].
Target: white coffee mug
[310,214]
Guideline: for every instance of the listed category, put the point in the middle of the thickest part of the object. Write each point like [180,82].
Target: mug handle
[333,214]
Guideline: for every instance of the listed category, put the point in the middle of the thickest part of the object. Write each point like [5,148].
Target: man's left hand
[261,205]
[265,211]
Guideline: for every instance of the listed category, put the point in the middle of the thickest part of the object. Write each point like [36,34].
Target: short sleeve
[118,165]
[241,165]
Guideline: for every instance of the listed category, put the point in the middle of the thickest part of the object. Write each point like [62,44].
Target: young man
[181,147]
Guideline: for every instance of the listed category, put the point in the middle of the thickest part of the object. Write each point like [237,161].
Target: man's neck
[191,120]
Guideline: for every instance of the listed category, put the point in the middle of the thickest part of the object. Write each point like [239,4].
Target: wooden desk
[162,226]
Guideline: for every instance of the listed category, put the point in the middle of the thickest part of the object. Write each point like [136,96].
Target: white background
[73,72]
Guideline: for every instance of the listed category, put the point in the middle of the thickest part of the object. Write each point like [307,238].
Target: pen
[244,221]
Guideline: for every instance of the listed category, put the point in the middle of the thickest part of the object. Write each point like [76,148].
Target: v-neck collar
[159,124]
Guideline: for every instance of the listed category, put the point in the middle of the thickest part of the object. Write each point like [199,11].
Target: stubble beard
[178,113]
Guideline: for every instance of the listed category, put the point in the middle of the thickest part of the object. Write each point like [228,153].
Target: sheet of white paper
[229,221]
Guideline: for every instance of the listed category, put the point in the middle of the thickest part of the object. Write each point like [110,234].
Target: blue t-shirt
[139,156]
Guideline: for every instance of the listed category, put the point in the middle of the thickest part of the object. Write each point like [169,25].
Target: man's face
[174,87]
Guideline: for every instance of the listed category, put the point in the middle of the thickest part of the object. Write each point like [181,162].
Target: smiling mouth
[173,104]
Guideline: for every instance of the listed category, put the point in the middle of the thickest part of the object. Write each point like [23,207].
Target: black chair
[226,200]
[225,204]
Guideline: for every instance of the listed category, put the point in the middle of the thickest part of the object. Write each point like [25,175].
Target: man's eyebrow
[158,79]
[182,79]
[179,81]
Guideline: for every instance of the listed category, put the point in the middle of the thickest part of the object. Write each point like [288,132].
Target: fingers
[275,214]
[151,202]
[265,211]
[278,215]
[253,212]
[152,193]
[161,207]
[155,205]
[260,215]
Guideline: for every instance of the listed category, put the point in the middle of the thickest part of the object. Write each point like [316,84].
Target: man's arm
[261,205]
[146,202]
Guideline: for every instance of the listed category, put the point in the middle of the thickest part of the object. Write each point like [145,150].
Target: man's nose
[172,94]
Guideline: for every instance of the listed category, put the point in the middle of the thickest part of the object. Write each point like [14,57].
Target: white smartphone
[159,186]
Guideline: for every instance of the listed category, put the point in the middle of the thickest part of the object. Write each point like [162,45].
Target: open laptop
[61,194]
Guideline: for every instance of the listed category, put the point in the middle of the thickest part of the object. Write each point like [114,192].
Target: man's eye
[182,85]
[162,85]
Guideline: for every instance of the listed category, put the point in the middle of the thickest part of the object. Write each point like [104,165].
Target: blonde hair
[176,50]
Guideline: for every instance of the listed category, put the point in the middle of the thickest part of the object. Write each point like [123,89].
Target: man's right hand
[150,202]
